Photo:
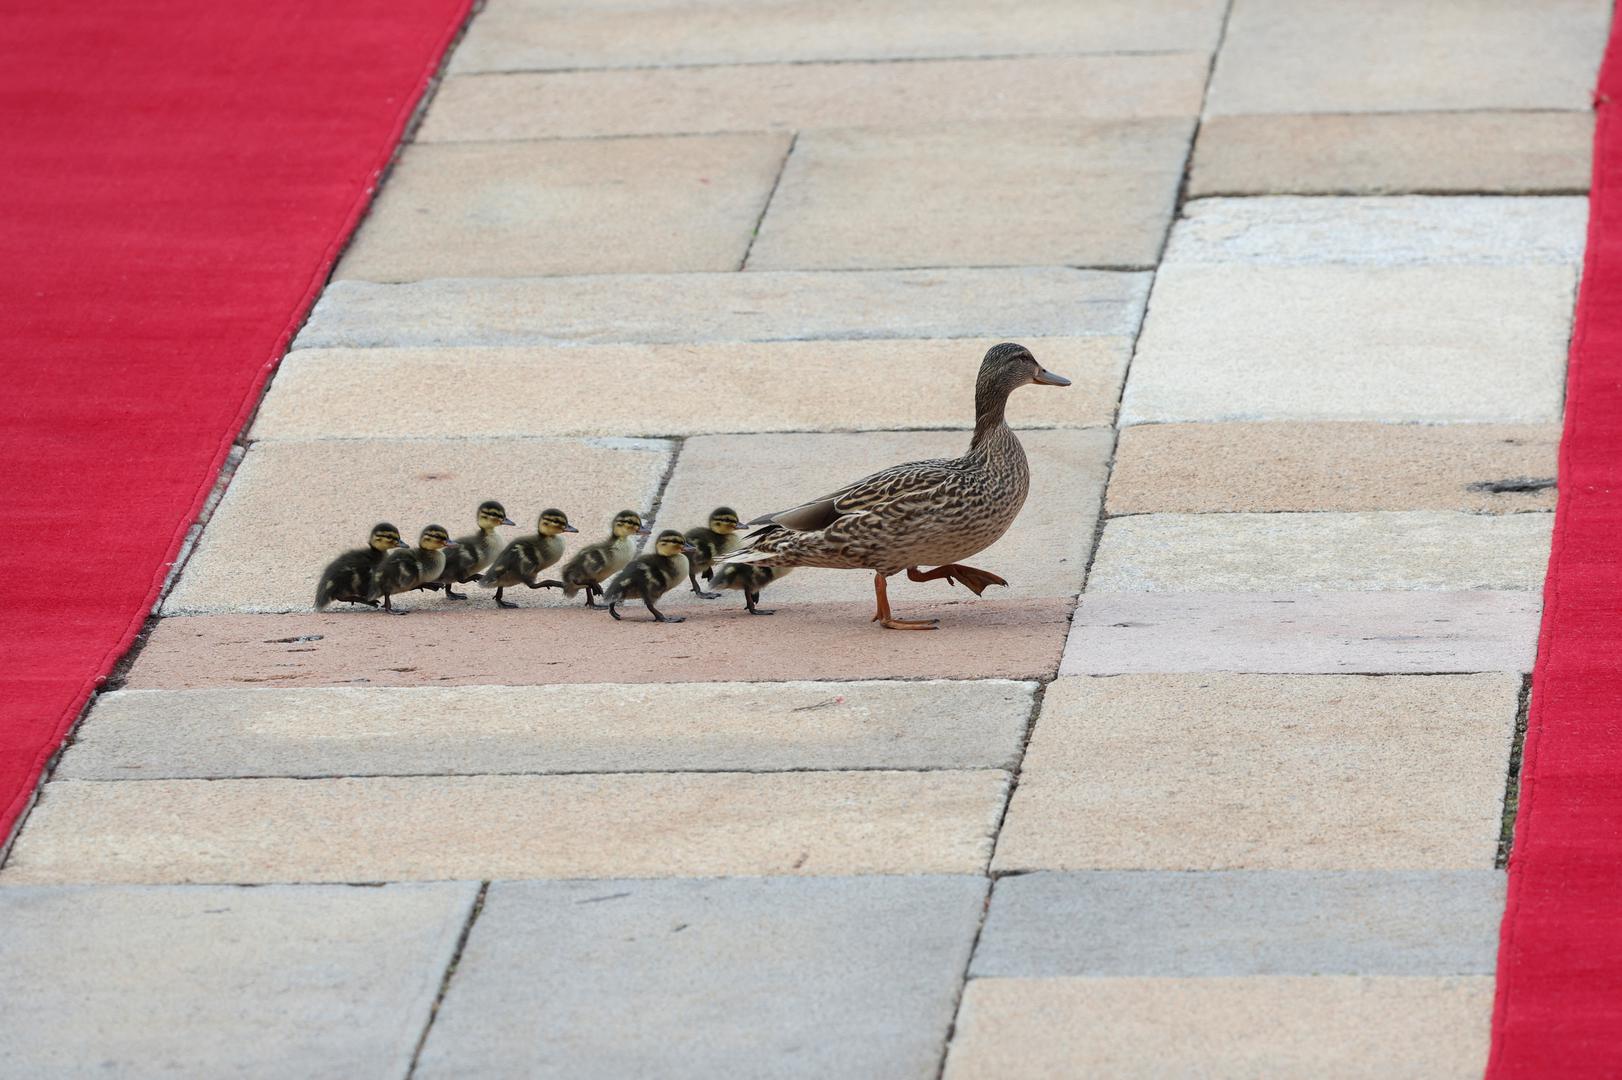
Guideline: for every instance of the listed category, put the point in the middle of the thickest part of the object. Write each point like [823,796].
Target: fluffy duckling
[348,578]
[402,571]
[748,578]
[473,554]
[596,563]
[652,575]
[720,538]
[521,562]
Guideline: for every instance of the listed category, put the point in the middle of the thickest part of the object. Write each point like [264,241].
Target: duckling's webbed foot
[503,603]
[976,580]
[888,621]
[594,591]
[751,599]
[364,602]
[388,607]
[549,583]
[659,616]
[452,594]
[611,608]
[692,577]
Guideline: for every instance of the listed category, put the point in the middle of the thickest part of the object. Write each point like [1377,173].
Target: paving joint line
[1512,782]
[474,910]
[834,62]
[766,205]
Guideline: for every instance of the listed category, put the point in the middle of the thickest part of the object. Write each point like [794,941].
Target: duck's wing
[898,482]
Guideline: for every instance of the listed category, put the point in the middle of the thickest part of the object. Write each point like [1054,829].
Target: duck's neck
[990,404]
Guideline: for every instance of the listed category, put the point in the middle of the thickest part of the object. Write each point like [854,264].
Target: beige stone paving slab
[1246,772]
[595,727]
[790,97]
[1291,56]
[1429,344]
[1335,1026]
[1376,551]
[1379,153]
[444,645]
[1076,194]
[294,505]
[1215,468]
[1043,554]
[600,206]
[482,827]
[537,34]
[649,390]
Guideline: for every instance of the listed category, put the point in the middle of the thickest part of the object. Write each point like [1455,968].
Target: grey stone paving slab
[1246,922]
[1072,193]
[519,34]
[1377,550]
[1393,55]
[1045,302]
[591,727]
[318,981]
[1375,632]
[789,97]
[765,977]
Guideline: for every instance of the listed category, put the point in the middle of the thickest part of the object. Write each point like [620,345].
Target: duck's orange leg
[976,580]
[888,621]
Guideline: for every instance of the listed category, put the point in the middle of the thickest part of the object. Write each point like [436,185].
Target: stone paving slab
[604,206]
[292,506]
[1381,153]
[772,977]
[535,34]
[1291,56]
[1389,632]
[1329,1027]
[357,731]
[1044,553]
[645,390]
[1014,193]
[1217,468]
[319,981]
[978,639]
[1422,922]
[1392,344]
[688,308]
[472,827]
[1218,771]
[790,97]
[1416,549]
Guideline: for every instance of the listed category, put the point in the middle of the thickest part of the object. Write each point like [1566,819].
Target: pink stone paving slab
[987,638]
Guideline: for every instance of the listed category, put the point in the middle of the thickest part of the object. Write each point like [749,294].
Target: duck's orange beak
[1048,378]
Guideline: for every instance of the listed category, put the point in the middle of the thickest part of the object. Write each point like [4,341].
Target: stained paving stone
[789,97]
[1392,344]
[1381,153]
[594,206]
[1216,468]
[294,505]
[646,390]
[316,981]
[532,34]
[1219,771]
[481,827]
[773,977]
[1156,923]
[1418,549]
[1318,1026]
[689,308]
[1043,554]
[1291,56]
[1014,193]
[359,731]
[1009,639]
[1374,632]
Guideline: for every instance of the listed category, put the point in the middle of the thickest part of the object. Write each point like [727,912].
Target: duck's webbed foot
[976,580]
[591,592]
[659,616]
[363,603]
[503,603]
[750,599]
[698,589]
[888,621]
[452,594]
[390,608]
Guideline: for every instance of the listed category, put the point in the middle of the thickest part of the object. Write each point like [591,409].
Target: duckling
[652,575]
[596,563]
[749,578]
[522,561]
[720,538]
[402,571]
[349,577]
[473,553]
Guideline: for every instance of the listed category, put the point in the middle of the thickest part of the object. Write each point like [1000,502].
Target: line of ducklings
[386,567]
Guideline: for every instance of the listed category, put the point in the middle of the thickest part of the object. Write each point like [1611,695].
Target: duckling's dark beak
[689,549]
[508,521]
[401,543]
[570,528]
[450,544]
[644,531]
[1048,378]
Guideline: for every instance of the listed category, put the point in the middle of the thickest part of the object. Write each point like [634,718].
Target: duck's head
[724,520]
[385,537]
[434,538]
[671,543]
[629,523]
[1008,366]
[493,514]
[552,522]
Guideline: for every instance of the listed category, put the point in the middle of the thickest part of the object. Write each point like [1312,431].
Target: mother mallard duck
[923,513]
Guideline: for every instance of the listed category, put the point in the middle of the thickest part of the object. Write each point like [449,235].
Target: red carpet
[1559,1009]
[179,176]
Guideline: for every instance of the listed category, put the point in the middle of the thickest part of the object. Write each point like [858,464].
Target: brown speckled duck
[923,513]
